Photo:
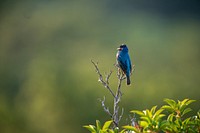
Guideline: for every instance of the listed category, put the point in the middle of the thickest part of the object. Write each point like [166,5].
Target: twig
[117,99]
[120,117]
[117,96]
[105,84]
[107,77]
[133,120]
[106,109]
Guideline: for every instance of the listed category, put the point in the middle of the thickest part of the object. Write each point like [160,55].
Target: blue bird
[124,62]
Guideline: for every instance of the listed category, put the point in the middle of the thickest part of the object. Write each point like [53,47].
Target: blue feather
[124,61]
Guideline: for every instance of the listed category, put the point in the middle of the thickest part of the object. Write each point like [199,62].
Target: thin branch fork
[117,99]
[105,83]
[117,96]
[106,109]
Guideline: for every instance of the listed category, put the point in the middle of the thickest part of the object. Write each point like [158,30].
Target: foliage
[99,129]
[170,118]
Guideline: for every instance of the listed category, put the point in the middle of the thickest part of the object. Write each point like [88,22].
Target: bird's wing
[122,65]
[130,65]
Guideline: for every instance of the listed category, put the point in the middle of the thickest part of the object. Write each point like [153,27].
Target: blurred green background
[47,82]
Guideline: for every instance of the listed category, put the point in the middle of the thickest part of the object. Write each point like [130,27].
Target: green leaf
[186,121]
[198,114]
[178,122]
[106,125]
[189,102]
[168,108]
[91,128]
[170,117]
[158,113]
[109,131]
[171,102]
[182,108]
[153,109]
[143,124]
[184,101]
[186,111]
[98,124]
[161,115]
[158,117]
[131,128]
[116,130]
[148,113]
[145,118]
[164,124]
[184,104]
[123,131]
[138,112]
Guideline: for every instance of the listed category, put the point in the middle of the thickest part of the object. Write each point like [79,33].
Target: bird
[124,62]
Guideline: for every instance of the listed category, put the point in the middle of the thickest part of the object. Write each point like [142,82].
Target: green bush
[170,118]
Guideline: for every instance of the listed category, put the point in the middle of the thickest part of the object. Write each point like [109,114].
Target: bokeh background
[47,82]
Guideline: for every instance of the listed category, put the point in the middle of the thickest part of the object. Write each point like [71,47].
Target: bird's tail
[128,81]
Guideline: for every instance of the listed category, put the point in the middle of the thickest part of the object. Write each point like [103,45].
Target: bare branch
[120,117]
[117,99]
[106,109]
[133,120]
[117,96]
[105,84]
[107,77]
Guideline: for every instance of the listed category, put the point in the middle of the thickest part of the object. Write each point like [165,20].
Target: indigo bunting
[124,62]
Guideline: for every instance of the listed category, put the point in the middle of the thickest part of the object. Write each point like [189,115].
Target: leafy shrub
[170,118]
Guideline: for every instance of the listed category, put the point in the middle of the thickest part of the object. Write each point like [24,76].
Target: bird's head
[123,48]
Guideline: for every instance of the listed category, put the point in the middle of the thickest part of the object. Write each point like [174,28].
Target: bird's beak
[119,49]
